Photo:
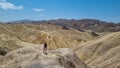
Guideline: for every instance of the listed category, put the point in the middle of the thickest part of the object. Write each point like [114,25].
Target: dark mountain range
[81,25]
[86,24]
[21,21]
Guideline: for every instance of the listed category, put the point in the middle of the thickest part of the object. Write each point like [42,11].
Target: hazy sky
[106,10]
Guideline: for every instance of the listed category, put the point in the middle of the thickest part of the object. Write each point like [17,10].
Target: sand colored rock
[33,57]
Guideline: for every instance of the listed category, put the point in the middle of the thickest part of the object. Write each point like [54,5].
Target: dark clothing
[45,45]
[45,49]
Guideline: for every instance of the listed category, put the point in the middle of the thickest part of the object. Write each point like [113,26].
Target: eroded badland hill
[21,45]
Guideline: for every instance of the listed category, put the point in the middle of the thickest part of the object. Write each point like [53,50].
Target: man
[45,48]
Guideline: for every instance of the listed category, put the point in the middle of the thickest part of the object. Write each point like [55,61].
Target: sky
[105,10]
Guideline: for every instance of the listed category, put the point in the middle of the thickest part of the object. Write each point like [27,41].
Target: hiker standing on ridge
[45,48]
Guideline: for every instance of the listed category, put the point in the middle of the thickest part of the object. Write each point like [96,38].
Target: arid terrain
[85,43]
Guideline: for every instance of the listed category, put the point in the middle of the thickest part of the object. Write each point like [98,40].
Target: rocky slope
[101,53]
[33,57]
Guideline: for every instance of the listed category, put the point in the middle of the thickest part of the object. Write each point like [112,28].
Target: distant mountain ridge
[87,24]
[81,25]
[21,21]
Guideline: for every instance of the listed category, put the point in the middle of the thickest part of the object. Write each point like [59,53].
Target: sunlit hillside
[55,36]
[101,53]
